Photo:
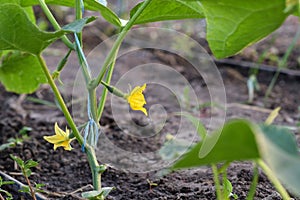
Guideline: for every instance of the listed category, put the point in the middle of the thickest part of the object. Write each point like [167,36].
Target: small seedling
[151,184]
[8,194]
[253,86]
[18,140]
[26,171]
[228,190]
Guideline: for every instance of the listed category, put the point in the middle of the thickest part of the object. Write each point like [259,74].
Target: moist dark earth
[66,173]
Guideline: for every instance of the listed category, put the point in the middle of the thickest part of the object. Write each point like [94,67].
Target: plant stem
[224,193]
[217,181]
[114,50]
[78,16]
[60,100]
[96,175]
[105,91]
[93,105]
[55,24]
[282,64]
[84,66]
[89,150]
[224,167]
[274,179]
[254,182]
[29,184]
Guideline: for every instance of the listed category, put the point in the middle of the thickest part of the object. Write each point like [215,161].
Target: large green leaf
[21,73]
[28,9]
[94,5]
[279,149]
[77,25]
[159,10]
[233,25]
[17,32]
[242,140]
[235,141]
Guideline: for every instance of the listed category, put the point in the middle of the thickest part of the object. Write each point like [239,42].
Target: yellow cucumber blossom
[136,99]
[60,139]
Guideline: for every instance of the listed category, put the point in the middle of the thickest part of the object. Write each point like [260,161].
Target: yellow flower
[136,99]
[60,139]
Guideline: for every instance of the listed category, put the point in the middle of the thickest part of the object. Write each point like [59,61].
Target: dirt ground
[67,173]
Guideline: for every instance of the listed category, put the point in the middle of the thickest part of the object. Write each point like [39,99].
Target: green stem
[89,150]
[91,91]
[114,50]
[251,192]
[78,16]
[224,167]
[217,181]
[83,65]
[55,24]
[105,91]
[60,100]
[274,179]
[94,165]
[282,64]
[93,105]
[91,155]
[224,193]
[63,61]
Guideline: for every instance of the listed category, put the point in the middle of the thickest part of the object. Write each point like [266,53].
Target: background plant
[21,136]
[8,194]
[25,167]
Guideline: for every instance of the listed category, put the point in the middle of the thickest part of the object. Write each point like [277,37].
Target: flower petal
[60,139]
[137,100]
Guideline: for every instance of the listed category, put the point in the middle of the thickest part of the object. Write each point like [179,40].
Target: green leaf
[7,145]
[159,10]
[91,194]
[279,149]
[31,163]
[25,130]
[106,191]
[27,172]
[39,185]
[196,123]
[7,183]
[228,188]
[235,141]
[95,194]
[25,189]
[242,140]
[94,5]
[9,195]
[21,73]
[19,33]
[18,160]
[101,168]
[233,25]
[29,10]
[78,25]
[30,13]
[173,148]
